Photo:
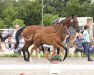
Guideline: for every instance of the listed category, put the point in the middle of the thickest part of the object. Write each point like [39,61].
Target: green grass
[10,55]
[42,55]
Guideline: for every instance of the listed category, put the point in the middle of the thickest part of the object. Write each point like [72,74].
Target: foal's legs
[66,50]
[60,46]
[34,48]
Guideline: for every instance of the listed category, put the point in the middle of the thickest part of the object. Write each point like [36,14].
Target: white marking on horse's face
[71,20]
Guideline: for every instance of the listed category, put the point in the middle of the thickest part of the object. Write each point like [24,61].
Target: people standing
[0,42]
[17,27]
[85,43]
[21,44]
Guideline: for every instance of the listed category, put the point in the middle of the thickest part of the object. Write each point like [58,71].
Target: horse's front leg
[60,46]
[66,52]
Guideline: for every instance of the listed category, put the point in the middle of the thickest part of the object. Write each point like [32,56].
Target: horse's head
[74,23]
[71,21]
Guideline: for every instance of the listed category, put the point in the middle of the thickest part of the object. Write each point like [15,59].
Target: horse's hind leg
[24,54]
[25,48]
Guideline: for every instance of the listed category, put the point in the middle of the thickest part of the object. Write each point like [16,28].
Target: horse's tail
[31,38]
[18,33]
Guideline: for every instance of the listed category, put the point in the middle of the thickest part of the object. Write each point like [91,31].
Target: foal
[54,39]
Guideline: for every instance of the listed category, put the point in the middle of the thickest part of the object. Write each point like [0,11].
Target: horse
[54,39]
[35,29]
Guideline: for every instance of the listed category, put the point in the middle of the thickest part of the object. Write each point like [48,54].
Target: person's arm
[75,37]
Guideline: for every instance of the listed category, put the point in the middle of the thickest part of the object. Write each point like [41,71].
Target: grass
[42,55]
[10,55]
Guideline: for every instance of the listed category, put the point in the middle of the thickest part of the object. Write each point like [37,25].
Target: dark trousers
[86,49]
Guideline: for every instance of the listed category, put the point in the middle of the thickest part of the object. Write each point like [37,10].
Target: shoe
[90,60]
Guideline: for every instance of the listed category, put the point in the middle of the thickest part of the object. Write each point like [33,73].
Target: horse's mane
[63,21]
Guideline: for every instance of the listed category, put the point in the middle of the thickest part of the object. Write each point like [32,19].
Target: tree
[30,12]
[49,19]
[8,13]
[53,7]
[2,24]
[78,8]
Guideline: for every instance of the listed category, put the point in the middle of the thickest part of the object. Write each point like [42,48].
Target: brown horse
[54,39]
[35,29]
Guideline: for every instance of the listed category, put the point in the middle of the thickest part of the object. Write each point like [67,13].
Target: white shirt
[12,44]
[86,36]
[14,34]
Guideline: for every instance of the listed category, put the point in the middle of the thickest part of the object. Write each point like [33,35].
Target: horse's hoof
[27,60]
[63,59]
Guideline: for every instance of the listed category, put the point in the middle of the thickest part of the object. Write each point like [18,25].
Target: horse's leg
[34,48]
[60,46]
[43,49]
[24,54]
[58,51]
[29,43]
[25,49]
[46,53]
[66,50]
[54,51]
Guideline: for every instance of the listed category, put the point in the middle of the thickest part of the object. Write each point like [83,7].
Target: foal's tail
[31,38]
[18,33]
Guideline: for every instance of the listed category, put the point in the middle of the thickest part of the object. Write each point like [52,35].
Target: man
[17,27]
[86,41]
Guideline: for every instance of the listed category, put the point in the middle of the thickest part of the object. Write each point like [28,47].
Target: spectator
[21,44]
[17,27]
[67,40]
[92,45]
[0,42]
[79,47]
[10,42]
[78,44]
[76,35]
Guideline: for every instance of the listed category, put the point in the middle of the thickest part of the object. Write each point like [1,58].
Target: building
[81,21]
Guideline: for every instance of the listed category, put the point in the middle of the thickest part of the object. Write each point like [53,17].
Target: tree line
[29,12]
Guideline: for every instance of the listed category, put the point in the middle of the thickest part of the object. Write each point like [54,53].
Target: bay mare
[35,29]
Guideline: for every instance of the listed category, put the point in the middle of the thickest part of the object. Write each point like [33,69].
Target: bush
[2,24]
[49,19]
[19,22]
